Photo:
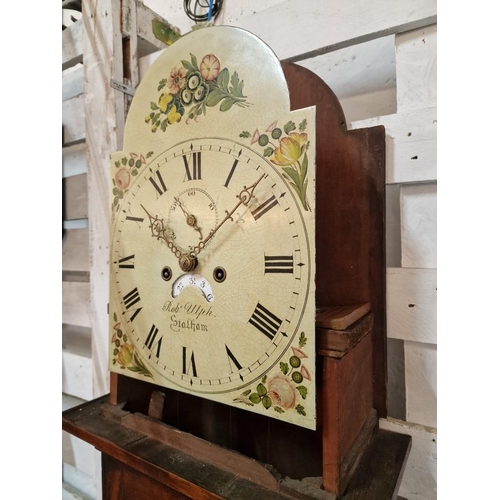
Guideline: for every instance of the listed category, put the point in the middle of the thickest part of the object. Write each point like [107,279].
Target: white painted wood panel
[419,225]
[76,303]
[72,82]
[411,144]
[79,486]
[421,383]
[74,160]
[72,44]
[412,304]
[73,120]
[420,476]
[77,375]
[296,30]
[416,68]
[78,453]
[104,120]
[392,226]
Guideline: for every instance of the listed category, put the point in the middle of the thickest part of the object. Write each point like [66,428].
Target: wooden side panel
[74,161]
[351,168]
[75,250]
[72,48]
[76,303]
[73,120]
[75,197]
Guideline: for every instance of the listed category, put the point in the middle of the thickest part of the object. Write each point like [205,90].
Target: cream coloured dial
[232,211]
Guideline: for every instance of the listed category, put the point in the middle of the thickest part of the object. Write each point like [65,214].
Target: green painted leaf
[261,390]
[300,410]
[214,97]
[302,391]
[279,410]
[223,80]
[245,134]
[194,62]
[292,173]
[116,191]
[164,124]
[254,398]
[303,125]
[302,339]
[266,402]
[227,104]
[289,127]
[303,168]
[246,393]
[188,66]
[264,378]
[154,106]
[284,368]
[268,151]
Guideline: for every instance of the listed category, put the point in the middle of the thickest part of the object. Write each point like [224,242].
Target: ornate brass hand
[190,218]
[187,261]
[244,198]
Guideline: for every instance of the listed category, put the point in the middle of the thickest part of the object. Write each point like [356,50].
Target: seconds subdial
[191,217]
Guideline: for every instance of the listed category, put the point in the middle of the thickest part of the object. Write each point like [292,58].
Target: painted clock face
[211,266]
[212,256]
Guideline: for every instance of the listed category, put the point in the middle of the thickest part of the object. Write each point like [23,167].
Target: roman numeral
[265,321]
[188,365]
[265,207]
[233,168]
[232,357]
[125,264]
[160,188]
[151,341]
[282,264]
[131,299]
[193,173]
[136,219]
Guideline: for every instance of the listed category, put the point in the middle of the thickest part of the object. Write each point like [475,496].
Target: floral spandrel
[287,148]
[124,170]
[191,88]
[124,353]
[284,390]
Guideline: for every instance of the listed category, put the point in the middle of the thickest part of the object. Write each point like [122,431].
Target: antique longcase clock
[212,277]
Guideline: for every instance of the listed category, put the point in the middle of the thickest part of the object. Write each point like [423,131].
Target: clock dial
[222,323]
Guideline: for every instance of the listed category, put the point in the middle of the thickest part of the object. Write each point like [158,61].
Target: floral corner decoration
[123,352]
[125,169]
[283,390]
[191,88]
[290,153]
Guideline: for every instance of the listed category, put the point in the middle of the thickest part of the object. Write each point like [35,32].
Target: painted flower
[305,373]
[255,136]
[210,67]
[124,357]
[281,391]
[193,80]
[173,115]
[164,101]
[176,80]
[122,179]
[201,92]
[299,352]
[186,97]
[290,149]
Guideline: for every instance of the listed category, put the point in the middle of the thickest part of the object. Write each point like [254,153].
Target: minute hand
[244,197]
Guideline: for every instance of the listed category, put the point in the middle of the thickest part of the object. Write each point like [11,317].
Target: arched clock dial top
[212,241]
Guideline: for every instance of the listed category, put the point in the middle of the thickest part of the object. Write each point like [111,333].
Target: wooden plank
[77,485]
[77,339]
[78,453]
[75,199]
[392,226]
[73,120]
[411,141]
[416,68]
[75,250]
[420,476]
[72,48]
[329,25]
[340,317]
[412,304]
[421,383]
[72,83]
[76,375]
[104,120]
[396,386]
[419,226]
[76,303]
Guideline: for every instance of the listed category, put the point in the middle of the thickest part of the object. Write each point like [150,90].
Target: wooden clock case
[160,442]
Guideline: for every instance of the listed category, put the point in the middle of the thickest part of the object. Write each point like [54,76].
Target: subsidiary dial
[191,217]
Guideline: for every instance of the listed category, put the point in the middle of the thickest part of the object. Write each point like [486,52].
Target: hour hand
[190,218]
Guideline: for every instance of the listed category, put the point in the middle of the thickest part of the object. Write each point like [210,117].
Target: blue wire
[210,11]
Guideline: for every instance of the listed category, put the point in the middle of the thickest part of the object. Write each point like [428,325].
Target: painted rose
[124,357]
[176,80]
[210,67]
[122,179]
[290,149]
[281,392]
